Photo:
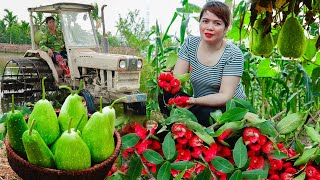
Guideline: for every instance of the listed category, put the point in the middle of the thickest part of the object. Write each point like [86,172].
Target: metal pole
[105,43]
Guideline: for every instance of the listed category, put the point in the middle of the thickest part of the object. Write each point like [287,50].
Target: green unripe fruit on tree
[260,45]
[291,40]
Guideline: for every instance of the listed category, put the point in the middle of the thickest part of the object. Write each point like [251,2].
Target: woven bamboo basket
[26,170]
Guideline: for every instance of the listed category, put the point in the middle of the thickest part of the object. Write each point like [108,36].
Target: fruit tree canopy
[55,8]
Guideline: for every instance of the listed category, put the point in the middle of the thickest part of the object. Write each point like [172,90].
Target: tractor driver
[53,43]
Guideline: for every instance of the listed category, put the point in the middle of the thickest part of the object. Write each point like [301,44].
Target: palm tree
[95,15]
[11,20]
[25,28]
[2,31]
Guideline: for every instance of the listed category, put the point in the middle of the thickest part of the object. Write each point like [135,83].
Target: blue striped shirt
[207,79]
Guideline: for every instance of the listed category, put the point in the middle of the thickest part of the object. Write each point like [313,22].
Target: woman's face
[212,28]
[51,24]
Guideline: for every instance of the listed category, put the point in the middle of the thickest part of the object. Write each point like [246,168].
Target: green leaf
[171,60]
[183,77]
[181,165]
[255,174]
[264,69]
[312,133]
[311,49]
[152,156]
[120,120]
[268,129]
[164,171]
[168,147]
[129,140]
[221,164]
[205,137]
[278,155]
[204,175]
[301,176]
[230,104]
[135,168]
[240,155]
[305,157]
[180,175]
[237,175]
[291,122]
[216,115]
[234,114]
[253,119]
[316,80]
[244,104]
[231,125]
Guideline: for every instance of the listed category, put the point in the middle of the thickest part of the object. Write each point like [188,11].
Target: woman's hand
[191,101]
[50,52]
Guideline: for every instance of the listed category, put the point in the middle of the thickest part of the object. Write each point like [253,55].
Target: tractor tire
[91,108]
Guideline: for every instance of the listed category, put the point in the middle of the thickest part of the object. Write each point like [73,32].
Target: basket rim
[96,167]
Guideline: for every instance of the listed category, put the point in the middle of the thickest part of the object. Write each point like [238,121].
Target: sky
[161,10]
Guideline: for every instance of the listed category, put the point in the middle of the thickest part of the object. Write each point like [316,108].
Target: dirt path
[6,172]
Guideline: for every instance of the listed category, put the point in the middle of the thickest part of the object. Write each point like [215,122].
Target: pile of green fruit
[68,141]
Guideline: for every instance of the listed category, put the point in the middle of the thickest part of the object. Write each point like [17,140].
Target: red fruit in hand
[251,135]
[195,141]
[162,77]
[169,77]
[174,90]
[167,87]
[181,101]
[224,135]
[162,84]
[178,130]
[175,82]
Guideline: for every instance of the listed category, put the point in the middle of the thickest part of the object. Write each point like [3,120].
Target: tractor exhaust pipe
[105,43]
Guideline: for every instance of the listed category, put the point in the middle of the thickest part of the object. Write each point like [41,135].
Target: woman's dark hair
[49,18]
[220,9]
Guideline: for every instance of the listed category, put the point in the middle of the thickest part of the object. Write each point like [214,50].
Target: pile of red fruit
[169,83]
[180,101]
[191,148]
[260,150]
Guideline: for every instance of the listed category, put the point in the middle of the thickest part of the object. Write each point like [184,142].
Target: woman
[215,65]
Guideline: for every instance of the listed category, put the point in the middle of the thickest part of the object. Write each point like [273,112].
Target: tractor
[108,75]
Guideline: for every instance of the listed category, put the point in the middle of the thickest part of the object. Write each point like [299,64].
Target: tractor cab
[108,75]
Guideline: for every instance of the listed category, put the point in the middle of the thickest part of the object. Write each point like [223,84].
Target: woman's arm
[227,89]
[181,67]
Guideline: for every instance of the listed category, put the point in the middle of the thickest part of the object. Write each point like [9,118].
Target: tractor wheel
[91,108]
